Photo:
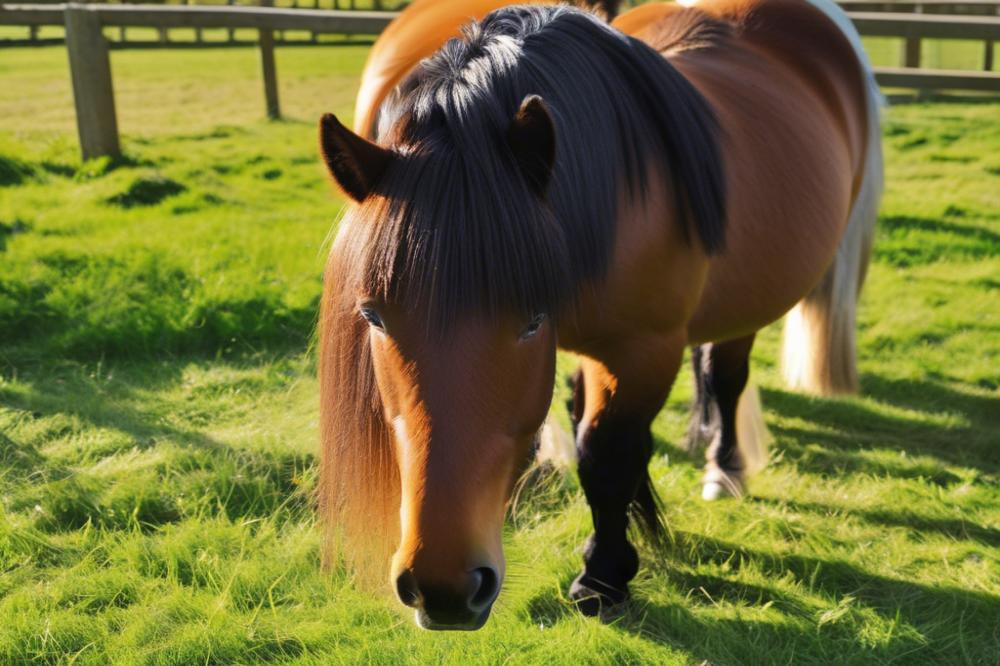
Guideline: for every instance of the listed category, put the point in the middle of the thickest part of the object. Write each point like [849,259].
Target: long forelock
[454,226]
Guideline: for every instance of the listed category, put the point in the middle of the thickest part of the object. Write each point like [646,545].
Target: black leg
[614,407]
[612,468]
[727,371]
[704,412]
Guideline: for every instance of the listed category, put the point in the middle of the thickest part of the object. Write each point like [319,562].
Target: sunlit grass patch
[159,416]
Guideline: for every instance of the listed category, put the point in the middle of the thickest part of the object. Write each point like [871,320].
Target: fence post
[266,38]
[911,52]
[911,47]
[988,49]
[93,94]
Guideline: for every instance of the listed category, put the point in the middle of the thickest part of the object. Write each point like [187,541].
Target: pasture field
[884,51]
[158,413]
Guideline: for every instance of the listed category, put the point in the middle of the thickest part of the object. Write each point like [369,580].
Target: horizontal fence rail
[205,16]
[90,67]
[928,26]
[937,79]
[923,6]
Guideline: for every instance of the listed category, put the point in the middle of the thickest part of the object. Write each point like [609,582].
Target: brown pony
[548,180]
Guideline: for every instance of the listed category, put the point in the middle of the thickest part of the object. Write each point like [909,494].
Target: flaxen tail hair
[819,347]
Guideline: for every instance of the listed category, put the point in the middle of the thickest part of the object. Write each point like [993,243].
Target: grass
[158,415]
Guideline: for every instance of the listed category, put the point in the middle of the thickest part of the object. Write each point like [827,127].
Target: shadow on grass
[909,223]
[953,528]
[846,427]
[844,437]
[926,616]
[906,241]
[236,482]
[922,618]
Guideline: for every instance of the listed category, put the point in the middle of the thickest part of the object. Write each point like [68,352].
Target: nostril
[487,590]
[407,590]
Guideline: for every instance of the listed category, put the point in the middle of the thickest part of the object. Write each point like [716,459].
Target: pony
[680,178]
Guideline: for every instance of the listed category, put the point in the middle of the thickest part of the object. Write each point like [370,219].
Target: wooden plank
[357,22]
[988,49]
[906,5]
[203,16]
[937,79]
[269,71]
[911,48]
[31,14]
[911,52]
[231,31]
[933,26]
[93,94]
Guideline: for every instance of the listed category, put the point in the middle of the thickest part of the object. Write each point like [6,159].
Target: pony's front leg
[620,396]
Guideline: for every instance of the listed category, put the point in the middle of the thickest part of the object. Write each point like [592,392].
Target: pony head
[461,365]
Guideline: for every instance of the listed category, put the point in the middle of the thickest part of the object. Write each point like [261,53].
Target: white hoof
[717,484]
[713,491]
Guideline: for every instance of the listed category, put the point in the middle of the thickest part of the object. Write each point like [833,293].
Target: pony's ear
[355,163]
[532,140]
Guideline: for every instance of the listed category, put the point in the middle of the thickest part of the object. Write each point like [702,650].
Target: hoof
[713,491]
[592,596]
[718,484]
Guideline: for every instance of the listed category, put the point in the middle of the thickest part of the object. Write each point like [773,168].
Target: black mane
[453,224]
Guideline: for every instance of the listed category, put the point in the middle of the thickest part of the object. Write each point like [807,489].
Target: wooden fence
[120,38]
[912,43]
[90,66]
[93,94]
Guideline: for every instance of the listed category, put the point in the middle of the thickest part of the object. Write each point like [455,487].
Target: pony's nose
[461,603]
[407,589]
[486,585]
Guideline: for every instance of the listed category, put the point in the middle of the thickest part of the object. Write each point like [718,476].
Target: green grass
[884,51]
[158,413]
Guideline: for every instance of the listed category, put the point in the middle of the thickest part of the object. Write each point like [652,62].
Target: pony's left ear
[355,163]
[532,140]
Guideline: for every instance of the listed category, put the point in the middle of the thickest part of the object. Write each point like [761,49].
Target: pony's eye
[533,326]
[372,317]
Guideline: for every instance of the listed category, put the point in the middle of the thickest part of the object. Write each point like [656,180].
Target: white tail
[819,348]
[752,434]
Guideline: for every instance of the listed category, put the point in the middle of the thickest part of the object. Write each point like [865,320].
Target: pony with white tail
[679,178]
